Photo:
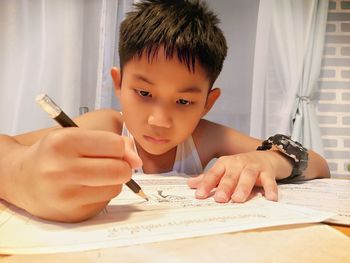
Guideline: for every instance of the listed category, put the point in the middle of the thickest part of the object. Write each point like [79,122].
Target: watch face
[289,147]
[293,150]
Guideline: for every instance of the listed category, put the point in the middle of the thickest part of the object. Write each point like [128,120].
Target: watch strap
[293,150]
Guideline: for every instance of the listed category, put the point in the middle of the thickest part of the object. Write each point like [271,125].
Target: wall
[238,22]
[334,97]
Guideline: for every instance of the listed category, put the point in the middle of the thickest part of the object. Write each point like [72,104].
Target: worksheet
[171,213]
[332,195]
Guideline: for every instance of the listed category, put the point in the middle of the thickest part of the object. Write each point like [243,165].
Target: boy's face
[162,101]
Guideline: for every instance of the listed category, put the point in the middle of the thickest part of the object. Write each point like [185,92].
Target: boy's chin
[157,149]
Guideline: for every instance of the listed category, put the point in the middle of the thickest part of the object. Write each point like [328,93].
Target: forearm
[317,167]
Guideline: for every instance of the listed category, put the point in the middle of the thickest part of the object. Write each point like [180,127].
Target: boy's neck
[153,164]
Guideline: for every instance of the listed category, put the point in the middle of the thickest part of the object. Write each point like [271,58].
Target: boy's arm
[107,120]
[239,166]
[66,174]
[221,141]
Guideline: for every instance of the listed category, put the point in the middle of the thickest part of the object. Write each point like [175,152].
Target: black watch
[296,153]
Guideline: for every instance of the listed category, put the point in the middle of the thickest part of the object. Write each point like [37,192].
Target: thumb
[130,154]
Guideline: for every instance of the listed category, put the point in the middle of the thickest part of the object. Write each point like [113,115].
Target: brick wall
[333,108]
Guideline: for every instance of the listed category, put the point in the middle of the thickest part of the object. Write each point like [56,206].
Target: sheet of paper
[171,213]
[332,195]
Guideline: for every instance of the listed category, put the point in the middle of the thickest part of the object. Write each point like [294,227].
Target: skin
[171,102]
[68,175]
[71,174]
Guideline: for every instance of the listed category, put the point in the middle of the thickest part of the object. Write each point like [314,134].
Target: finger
[270,187]
[245,184]
[130,154]
[87,142]
[102,144]
[193,182]
[210,180]
[226,186]
[99,172]
[90,143]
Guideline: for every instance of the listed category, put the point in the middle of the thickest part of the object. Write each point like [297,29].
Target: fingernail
[201,193]
[238,196]
[221,196]
[138,162]
[271,196]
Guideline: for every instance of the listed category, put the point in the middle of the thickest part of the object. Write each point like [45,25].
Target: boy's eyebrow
[191,89]
[142,78]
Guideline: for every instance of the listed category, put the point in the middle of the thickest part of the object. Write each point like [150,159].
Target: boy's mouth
[156,140]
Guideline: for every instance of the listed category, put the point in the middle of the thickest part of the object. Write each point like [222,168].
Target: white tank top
[187,160]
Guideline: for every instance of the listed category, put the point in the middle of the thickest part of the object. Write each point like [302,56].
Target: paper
[171,213]
[332,195]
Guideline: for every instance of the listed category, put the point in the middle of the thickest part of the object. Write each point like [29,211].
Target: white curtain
[288,51]
[63,48]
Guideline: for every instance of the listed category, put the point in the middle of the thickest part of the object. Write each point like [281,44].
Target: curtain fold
[112,14]
[258,116]
[62,48]
[40,43]
[306,128]
[283,87]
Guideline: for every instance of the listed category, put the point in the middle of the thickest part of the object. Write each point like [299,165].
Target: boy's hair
[188,28]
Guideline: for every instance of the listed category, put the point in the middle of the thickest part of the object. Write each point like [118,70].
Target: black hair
[183,27]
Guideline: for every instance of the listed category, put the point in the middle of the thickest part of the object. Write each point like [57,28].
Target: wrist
[282,163]
[292,150]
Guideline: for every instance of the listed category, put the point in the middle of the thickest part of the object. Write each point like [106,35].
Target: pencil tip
[142,194]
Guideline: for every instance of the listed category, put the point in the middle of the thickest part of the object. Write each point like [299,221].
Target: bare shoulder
[104,119]
[217,140]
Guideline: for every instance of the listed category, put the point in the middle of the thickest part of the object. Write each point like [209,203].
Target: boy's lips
[156,139]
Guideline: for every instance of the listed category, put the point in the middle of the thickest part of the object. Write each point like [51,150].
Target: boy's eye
[183,102]
[143,93]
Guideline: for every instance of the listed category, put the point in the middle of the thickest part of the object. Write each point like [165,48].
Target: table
[344,229]
[295,243]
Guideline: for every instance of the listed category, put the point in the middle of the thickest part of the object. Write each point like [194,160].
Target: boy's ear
[116,76]
[213,95]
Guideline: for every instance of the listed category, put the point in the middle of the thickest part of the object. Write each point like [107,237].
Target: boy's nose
[160,118]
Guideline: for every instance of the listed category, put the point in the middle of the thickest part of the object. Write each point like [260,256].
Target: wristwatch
[293,150]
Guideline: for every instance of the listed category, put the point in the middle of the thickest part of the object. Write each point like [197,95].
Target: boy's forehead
[160,68]
[160,57]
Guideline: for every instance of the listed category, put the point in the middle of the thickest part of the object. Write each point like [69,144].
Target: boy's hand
[235,176]
[72,173]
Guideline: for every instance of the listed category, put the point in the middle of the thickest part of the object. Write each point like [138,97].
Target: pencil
[56,113]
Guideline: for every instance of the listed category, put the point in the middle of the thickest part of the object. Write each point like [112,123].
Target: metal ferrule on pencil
[55,112]
[47,104]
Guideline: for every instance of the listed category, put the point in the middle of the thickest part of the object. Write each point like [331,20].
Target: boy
[171,52]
